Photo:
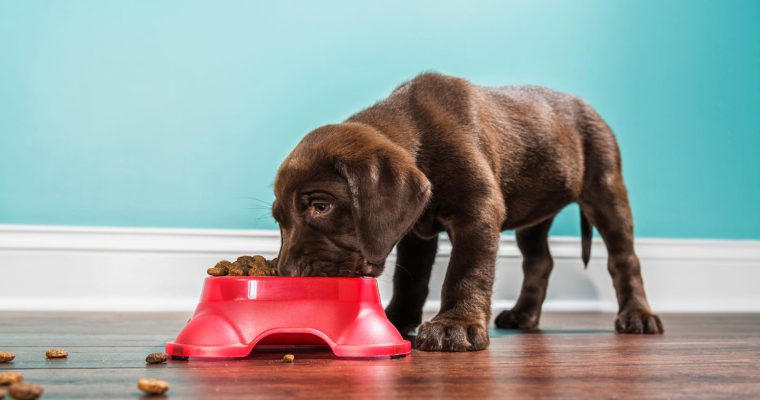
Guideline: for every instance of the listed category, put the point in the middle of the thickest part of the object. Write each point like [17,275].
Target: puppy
[442,154]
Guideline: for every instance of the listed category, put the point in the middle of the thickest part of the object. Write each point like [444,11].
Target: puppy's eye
[320,206]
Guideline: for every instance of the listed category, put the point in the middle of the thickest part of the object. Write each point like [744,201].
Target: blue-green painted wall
[177,113]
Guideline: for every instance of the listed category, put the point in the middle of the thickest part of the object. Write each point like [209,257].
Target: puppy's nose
[366,269]
[285,267]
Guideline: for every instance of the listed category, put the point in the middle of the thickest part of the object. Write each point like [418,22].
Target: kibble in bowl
[245,266]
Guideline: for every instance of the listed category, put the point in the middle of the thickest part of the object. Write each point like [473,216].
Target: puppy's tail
[587,231]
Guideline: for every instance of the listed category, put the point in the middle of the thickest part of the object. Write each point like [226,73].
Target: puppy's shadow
[495,332]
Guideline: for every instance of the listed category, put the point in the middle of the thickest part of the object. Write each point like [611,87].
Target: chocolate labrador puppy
[442,154]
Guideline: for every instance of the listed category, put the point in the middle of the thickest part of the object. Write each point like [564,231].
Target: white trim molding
[139,269]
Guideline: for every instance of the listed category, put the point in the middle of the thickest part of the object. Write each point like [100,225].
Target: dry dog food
[155,358]
[220,269]
[56,353]
[213,271]
[288,358]
[245,266]
[152,386]
[25,391]
[6,357]
[9,378]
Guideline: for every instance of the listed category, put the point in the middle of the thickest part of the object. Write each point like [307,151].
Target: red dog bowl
[237,314]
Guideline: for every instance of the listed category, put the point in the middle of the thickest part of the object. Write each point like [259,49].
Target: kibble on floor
[56,353]
[152,386]
[25,391]
[156,358]
[6,357]
[9,378]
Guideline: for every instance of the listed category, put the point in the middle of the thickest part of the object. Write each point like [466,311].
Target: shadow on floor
[511,332]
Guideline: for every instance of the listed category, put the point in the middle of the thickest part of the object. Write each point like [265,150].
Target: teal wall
[178,113]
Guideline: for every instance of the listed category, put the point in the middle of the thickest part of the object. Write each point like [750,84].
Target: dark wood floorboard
[575,355]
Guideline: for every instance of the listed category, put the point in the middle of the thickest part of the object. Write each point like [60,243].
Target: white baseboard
[133,269]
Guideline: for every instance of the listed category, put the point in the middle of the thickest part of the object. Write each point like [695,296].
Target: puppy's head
[343,198]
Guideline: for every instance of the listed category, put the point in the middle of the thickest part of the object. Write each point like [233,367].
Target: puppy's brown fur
[442,154]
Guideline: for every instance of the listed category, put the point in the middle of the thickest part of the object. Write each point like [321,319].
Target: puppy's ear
[388,193]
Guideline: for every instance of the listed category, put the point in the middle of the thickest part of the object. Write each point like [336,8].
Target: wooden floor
[573,356]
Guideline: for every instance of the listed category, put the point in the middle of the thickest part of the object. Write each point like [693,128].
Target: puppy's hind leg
[414,260]
[537,266]
[606,205]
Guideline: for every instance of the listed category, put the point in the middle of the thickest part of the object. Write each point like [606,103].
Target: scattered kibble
[155,358]
[9,378]
[288,358]
[56,353]
[25,391]
[152,386]
[6,357]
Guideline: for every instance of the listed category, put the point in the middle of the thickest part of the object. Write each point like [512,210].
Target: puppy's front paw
[514,319]
[638,322]
[447,334]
